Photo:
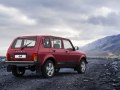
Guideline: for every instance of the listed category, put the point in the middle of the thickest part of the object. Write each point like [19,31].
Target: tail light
[34,56]
[8,56]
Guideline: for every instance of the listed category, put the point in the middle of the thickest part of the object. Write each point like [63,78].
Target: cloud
[82,21]
[110,20]
[104,16]
[104,11]
[14,16]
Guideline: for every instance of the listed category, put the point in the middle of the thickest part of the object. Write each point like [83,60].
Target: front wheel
[48,69]
[18,71]
[81,67]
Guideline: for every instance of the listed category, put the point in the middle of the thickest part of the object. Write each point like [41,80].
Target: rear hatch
[23,49]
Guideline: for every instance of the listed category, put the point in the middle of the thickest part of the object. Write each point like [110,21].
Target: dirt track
[100,75]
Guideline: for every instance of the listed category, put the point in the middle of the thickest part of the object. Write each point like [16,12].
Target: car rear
[23,49]
[23,52]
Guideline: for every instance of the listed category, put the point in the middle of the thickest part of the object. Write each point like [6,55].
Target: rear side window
[67,44]
[46,43]
[27,42]
[56,43]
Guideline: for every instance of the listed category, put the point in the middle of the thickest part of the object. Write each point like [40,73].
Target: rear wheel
[18,71]
[48,69]
[81,67]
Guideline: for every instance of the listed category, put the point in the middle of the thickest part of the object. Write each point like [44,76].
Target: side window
[30,41]
[67,44]
[46,43]
[56,43]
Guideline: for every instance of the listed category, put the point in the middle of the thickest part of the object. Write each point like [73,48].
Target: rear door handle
[53,50]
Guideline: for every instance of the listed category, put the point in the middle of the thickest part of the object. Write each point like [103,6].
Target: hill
[107,46]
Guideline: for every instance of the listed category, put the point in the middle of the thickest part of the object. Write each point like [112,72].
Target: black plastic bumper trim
[21,63]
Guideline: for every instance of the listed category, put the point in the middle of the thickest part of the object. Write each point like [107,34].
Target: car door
[44,48]
[57,49]
[71,55]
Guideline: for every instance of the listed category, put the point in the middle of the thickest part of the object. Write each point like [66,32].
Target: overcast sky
[82,21]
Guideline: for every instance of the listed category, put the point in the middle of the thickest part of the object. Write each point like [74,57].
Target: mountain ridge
[106,46]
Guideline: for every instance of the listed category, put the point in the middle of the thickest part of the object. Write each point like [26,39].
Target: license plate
[20,56]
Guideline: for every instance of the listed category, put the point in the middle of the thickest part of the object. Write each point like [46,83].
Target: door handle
[66,51]
[53,50]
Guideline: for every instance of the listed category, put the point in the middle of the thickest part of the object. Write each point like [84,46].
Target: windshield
[24,42]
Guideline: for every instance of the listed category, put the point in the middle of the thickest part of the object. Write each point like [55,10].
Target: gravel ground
[100,75]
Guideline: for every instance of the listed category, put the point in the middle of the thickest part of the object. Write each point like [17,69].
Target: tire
[18,71]
[81,68]
[48,69]
[57,70]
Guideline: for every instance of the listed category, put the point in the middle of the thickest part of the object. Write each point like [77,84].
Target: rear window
[24,42]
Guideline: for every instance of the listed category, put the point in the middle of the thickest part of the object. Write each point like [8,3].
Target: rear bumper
[21,63]
[26,64]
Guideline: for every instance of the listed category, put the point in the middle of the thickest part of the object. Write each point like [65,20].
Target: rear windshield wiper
[25,45]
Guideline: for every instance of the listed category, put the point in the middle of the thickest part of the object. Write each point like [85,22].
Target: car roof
[41,36]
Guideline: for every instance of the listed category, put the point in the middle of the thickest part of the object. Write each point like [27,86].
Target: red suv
[43,54]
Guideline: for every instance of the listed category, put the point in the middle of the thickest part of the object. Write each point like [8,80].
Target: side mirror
[76,48]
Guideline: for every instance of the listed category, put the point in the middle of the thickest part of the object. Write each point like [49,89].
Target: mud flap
[38,69]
